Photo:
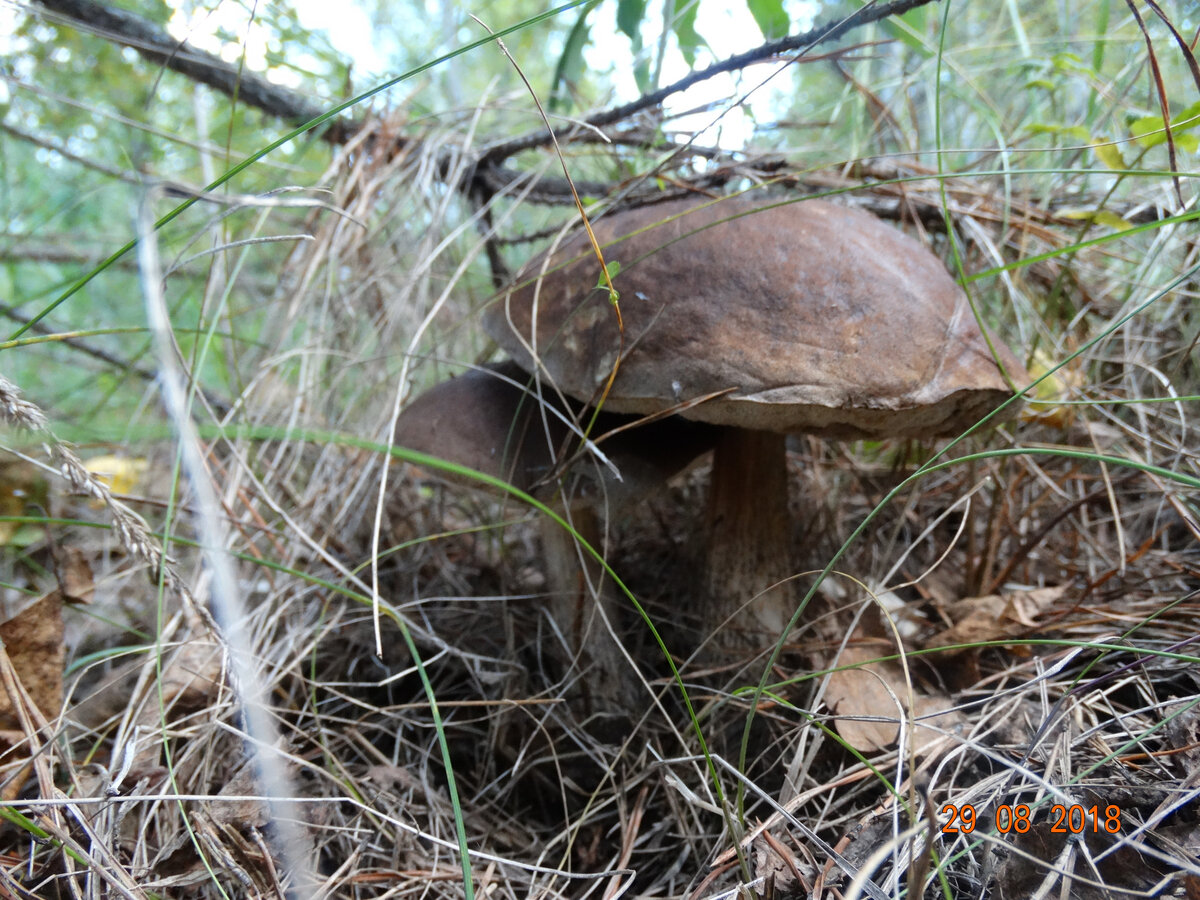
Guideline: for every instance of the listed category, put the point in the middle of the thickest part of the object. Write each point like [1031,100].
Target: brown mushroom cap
[484,421]
[823,318]
[490,419]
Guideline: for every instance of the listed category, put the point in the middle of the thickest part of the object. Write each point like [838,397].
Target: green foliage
[682,16]
[912,28]
[1150,130]
[770,16]
[571,64]
[106,106]
[1109,154]
[611,270]
[629,17]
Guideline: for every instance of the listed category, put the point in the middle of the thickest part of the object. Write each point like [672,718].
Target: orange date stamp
[1073,819]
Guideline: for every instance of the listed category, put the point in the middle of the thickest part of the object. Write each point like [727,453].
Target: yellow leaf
[1099,216]
[1111,219]
[1042,405]
[121,474]
[1110,155]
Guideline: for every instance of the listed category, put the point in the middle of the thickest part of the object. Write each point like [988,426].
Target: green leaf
[570,66]
[1188,118]
[1149,130]
[629,16]
[602,283]
[771,17]
[683,23]
[641,75]
[1111,219]
[1068,62]
[1078,132]
[910,28]
[610,272]
[1098,47]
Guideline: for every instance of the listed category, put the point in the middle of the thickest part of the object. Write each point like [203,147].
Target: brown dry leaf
[194,676]
[994,617]
[865,700]
[863,691]
[248,810]
[1100,869]
[190,679]
[935,715]
[779,866]
[33,639]
[242,805]
[939,586]
[1182,734]
[74,572]
[393,778]
[32,658]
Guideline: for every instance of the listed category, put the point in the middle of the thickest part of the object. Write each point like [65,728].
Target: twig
[156,45]
[488,175]
[78,344]
[825,32]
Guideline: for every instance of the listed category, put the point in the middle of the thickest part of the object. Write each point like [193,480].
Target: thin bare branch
[802,42]
[131,30]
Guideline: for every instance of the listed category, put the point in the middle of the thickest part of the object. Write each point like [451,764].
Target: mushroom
[491,420]
[483,419]
[813,317]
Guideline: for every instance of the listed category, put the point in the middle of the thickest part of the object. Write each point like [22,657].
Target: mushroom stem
[749,546]
[597,673]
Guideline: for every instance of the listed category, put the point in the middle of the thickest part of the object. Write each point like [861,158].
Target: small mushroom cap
[823,319]
[488,419]
[482,420]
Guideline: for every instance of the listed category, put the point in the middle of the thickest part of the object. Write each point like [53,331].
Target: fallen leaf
[121,473]
[776,864]
[24,490]
[995,617]
[31,672]
[33,639]
[860,696]
[1100,868]
[74,572]
[870,698]
[238,803]
[1182,733]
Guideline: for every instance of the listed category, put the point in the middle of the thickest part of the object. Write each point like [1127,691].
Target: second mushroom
[494,420]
